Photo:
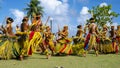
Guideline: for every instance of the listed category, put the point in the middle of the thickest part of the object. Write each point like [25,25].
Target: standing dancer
[49,39]
[23,37]
[63,43]
[112,37]
[78,41]
[118,38]
[9,27]
[7,40]
[106,44]
[34,39]
[17,29]
[91,37]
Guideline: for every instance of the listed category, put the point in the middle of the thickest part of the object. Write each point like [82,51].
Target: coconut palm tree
[34,8]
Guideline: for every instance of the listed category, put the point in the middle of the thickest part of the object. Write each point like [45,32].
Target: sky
[62,12]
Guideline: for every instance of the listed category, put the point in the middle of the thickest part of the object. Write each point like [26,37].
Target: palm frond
[34,8]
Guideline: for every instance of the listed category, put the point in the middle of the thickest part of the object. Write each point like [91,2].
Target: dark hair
[9,19]
[37,18]
[25,19]
[79,26]
[112,27]
[17,26]
[91,19]
[22,27]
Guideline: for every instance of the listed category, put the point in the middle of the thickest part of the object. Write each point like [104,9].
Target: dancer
[7,39]
[23,37]
[17,29]
[64,43]
[78,41]
[91,37]
[112,37]
[106,43]
[118,38]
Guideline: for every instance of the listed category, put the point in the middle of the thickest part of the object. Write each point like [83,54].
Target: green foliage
[103,15]
[34,8]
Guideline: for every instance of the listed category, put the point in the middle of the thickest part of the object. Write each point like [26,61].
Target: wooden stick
[47,20]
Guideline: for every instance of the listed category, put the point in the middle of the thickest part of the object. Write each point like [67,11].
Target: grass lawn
[40,61]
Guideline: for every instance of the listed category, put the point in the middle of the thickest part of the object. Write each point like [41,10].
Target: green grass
[40,61]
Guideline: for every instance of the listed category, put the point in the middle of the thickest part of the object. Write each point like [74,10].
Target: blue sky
[62,12]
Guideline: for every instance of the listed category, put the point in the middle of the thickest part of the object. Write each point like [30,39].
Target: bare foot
[84,54]
[21,57]
[96,53]
[48,56]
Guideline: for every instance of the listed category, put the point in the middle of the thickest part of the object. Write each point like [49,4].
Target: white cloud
[50,5]
[18,16]
[55,7]
[103,4]
[58,10]
[84,11]
[84,15]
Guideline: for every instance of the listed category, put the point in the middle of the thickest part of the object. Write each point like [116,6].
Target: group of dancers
[38,37]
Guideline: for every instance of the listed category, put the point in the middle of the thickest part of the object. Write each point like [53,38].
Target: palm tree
[34,8]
